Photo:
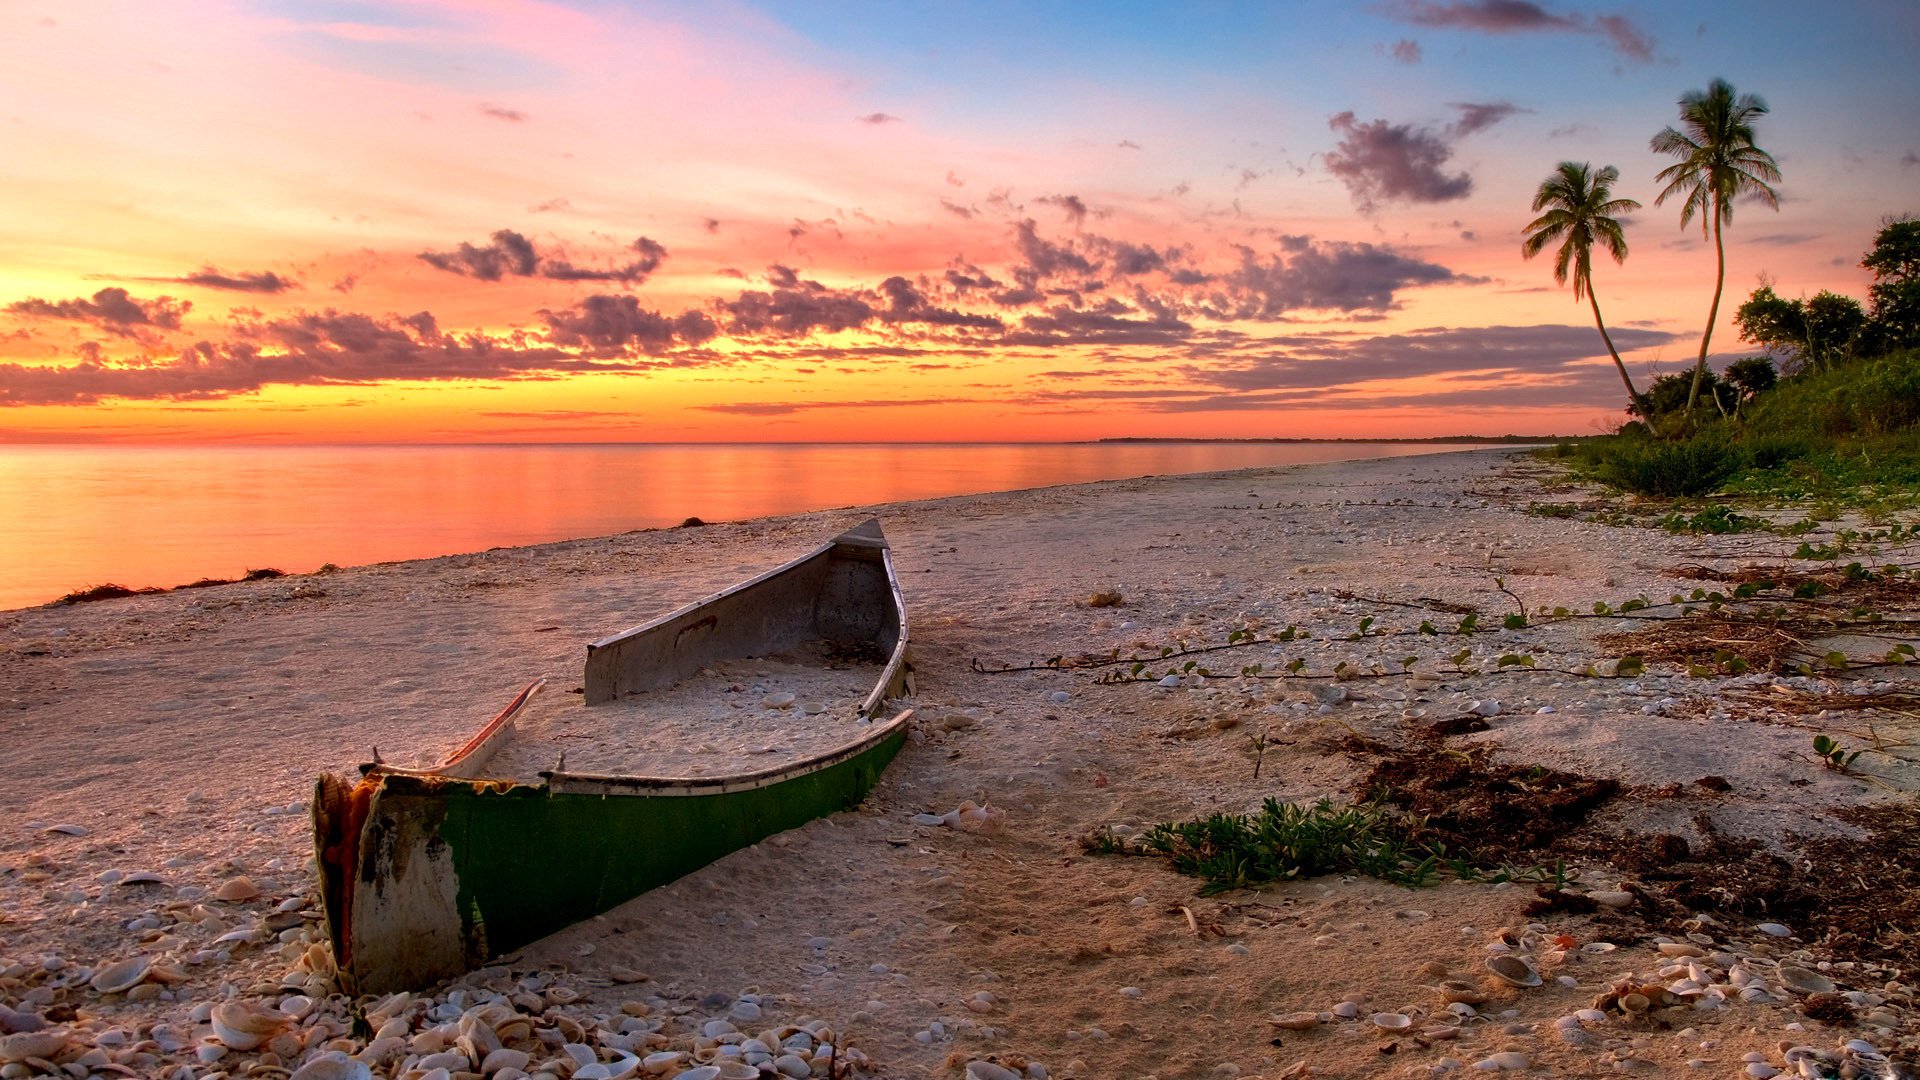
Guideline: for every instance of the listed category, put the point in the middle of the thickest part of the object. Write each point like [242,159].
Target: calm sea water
[73,517]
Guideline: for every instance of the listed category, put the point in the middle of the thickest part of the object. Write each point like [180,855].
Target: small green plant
[1291,840]
[1833,755]
[1718,520]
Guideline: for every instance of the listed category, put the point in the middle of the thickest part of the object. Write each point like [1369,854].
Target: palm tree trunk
[1646,409]
[1719,282]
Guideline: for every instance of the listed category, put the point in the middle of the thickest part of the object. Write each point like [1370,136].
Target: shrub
[1693,467]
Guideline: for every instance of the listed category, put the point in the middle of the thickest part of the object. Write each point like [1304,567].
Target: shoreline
[180,731]
[115,585]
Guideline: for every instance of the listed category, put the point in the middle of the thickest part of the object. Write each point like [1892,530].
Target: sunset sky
[518,221]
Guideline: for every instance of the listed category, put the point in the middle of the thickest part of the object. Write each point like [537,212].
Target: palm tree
[1718,164]
[1580,208]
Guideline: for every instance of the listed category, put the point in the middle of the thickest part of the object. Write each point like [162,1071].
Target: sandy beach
[177,737]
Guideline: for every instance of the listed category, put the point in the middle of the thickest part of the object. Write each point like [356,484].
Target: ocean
[73,517]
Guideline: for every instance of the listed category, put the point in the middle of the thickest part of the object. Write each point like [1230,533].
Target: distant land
[1429,439]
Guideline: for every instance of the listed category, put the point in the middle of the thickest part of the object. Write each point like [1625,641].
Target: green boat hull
[452,872]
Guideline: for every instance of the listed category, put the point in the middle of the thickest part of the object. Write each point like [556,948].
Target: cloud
[906,303]
[501,112]
[1127,144]
[1304,362]
[1378,161]
[650,252]
[1910,158]
[609,325]
[1480,117]
[1324,276]
[509,254]
[1045,257]
[210,277]
[1069,205]
[308,348]
[1112,323]
[1522,17]
[879,118]
[795,307]
[1407,51]
[956,209]
[112,310]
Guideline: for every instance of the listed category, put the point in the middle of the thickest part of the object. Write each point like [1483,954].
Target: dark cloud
[1111,323]
[310,348]
[878,118]
[1626,38]
[1784,239]
[609,324]
[1127,144]
[1069,205]
[956,209]
[1407,51]
[509,254]
[1520,17]
[1129,260]
[1910,158]
[1303,362]
[112,310]
[967,277]
[501,112]
[650,252]
[550,206]
[210,277]
[907,304]
[795,306]
[1381,161]
[1045,257]
[1330,276]
[1480,117]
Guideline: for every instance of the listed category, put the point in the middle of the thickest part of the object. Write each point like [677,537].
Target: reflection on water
[72,517]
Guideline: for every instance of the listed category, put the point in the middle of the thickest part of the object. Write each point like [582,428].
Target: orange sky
[515,221]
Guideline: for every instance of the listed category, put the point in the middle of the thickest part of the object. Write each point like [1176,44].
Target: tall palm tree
[1718,164]
[1580,210]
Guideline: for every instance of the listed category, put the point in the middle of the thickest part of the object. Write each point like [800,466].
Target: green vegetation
[1288,840]
[1843,420]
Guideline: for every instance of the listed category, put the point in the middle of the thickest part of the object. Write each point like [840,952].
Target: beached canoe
[427,873]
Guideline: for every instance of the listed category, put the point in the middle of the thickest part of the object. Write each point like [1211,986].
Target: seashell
[1509,1060]
[1612,898]
[31,1044]
[1512,969]
[1801,981]
[1295,1021]
[1463,1010]
[333,1065]
[505,1059]
[704,1072]
[1680,948]
[124,975]
[242,1025]
[237,890]
[1461,990]
[658,1063]
[989,1070]
[735,1070]
[1434,968]
[1597,947]
[1391,1021]
[562,995]
[1635,1003]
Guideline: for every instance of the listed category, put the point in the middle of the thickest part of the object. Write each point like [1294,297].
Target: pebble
[1510,1060]
[1060,697]
[1774,929]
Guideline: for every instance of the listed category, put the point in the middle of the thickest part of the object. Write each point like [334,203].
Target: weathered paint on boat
[428,873]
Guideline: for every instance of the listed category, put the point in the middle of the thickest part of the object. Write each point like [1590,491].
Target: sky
[290,221]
